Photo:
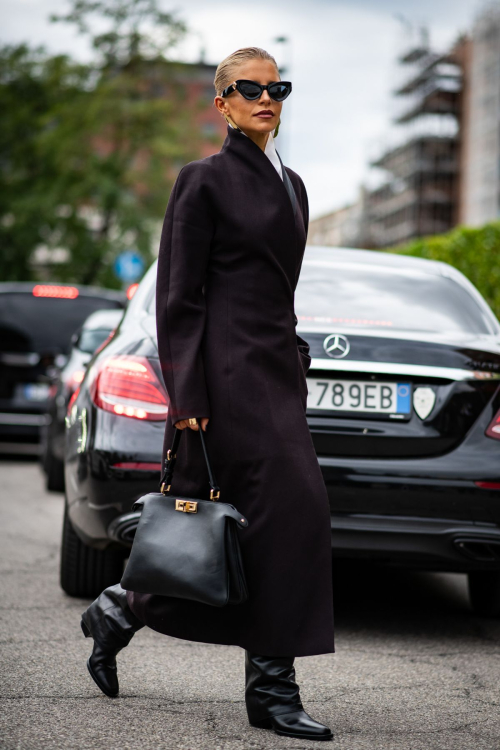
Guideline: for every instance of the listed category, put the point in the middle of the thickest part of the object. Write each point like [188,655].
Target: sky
[340,56]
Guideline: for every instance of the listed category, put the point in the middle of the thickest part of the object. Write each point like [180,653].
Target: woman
[230,255]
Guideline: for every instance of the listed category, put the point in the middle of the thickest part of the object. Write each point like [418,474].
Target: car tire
[484,592]
[54,473]
[43,449]
[86,571]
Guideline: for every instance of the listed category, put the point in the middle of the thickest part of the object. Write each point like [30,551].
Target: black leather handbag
[186,547]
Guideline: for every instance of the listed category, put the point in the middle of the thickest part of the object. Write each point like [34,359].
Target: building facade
[197,80]
[420,194]
[343,227]
[480,183]
[418,169]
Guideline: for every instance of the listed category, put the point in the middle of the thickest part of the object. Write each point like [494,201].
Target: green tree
[136,29]
[89,152]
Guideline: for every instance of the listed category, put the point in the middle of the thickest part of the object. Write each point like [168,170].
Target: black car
[36,324]
[403,409]
[96,329]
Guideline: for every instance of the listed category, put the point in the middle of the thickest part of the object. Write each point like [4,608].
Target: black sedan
[403,408]
[96,329]
[37,321]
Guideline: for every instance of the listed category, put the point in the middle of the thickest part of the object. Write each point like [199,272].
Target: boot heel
[262,724]
[86,631]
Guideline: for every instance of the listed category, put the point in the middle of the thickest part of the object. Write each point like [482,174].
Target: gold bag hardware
[186,506]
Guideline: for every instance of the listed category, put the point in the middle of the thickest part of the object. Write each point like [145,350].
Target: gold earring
[277,128]
[231,122]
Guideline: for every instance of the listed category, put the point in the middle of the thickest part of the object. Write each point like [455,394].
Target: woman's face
[260,115]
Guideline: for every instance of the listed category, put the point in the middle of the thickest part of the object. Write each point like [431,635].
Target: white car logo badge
[423,401]
[336,346]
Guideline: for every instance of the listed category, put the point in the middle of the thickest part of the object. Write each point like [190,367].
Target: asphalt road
[413,668]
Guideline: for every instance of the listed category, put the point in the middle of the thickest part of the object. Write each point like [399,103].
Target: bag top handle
[166,479]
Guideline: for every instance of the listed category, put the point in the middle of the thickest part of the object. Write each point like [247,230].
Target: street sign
[129,265]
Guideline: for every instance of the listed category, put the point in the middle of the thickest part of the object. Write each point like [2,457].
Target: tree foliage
[134,28]
[89,152]
[475,251]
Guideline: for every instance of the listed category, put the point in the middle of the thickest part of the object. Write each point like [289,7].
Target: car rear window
[44,324]
[358,296]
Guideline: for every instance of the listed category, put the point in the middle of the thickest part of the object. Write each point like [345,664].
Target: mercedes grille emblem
[336,346]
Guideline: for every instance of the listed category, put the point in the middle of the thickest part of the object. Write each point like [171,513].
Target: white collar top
[271,153]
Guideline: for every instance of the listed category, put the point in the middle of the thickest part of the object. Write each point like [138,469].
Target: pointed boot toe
[102,667]
[297,724]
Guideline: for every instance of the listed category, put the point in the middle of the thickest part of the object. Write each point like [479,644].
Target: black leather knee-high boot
[111,623]
[273,701]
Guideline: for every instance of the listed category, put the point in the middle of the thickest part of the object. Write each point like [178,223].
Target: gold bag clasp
[186,506]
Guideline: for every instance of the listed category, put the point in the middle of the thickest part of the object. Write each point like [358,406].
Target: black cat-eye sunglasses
[278,90]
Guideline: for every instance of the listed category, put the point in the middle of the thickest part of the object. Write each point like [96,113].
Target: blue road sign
[129,265]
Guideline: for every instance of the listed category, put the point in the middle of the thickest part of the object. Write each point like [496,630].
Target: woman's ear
[220,104]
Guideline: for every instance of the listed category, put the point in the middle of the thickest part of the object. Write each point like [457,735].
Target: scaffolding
[419,195]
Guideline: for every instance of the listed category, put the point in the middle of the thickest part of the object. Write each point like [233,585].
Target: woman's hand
[185,423]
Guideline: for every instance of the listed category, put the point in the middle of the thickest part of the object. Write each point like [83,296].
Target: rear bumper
[20,431]
[465,487]
[23,418]
[426,543]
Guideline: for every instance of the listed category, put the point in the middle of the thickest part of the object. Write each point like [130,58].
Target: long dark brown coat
[230,256]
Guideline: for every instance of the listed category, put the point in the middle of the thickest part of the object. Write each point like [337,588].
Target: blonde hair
[224,75]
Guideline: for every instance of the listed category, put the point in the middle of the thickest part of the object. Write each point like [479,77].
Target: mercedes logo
[336,346]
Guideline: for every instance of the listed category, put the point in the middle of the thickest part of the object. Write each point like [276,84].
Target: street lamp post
[284,140]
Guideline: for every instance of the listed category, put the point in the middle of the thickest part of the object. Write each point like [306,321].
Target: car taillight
[132,290]
[55,290]
[74,381]
[493,429]
[77,377]
[72,400]
[127,385]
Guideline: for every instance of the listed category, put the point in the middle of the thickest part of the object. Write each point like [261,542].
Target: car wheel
[484,592]
[86,571]
[54,473]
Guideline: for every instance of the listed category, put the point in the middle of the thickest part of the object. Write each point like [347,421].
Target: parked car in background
[403,408]
[94,332]
[36,325]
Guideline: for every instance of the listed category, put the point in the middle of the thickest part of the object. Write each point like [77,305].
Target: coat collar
[270,152]
[242,146]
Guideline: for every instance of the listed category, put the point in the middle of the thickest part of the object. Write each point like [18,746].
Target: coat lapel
[266,189]
[255,158]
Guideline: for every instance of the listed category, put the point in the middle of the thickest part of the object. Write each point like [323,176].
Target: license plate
[359,396]
[36,391]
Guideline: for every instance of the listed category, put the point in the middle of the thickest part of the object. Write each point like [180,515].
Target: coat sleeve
[183,257]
